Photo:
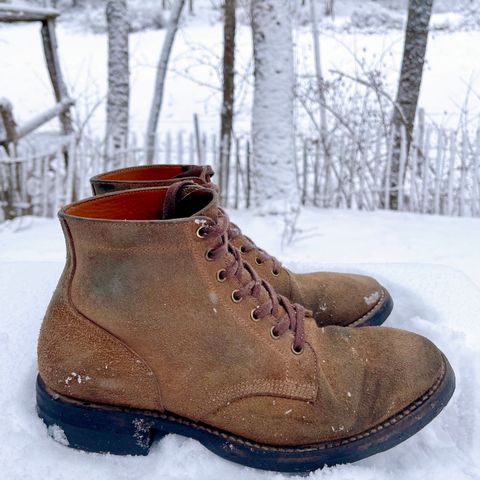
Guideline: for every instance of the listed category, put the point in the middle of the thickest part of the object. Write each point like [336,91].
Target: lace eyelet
[258,262]
[273,334]
[253,315]
[295,351]
[235,297]
[199,232]
[208,255]
[221,275]
[242,250]
[275,273]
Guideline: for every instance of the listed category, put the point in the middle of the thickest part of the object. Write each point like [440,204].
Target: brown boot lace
[294,314]
[249,245]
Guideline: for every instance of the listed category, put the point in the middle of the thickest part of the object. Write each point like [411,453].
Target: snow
[372,298]
[431,265]
[58,434]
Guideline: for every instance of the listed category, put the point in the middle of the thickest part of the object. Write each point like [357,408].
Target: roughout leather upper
[335,298]
[139,319]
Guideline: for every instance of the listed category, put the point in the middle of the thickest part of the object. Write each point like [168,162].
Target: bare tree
[228,86]
[329,8]
[416,36]
[116,138]
[156,107]
[272,113]
[323,127]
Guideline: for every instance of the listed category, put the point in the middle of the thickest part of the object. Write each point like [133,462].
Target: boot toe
[343,299]
[367,377]
[409,368]
[384,371]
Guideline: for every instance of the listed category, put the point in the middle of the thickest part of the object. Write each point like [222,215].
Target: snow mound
[439,302]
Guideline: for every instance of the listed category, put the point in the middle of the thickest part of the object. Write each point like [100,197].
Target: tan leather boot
[335,298]
[157,326]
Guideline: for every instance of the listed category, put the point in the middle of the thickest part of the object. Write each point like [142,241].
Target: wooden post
[81,174]
[304,172]
[451,172]
[179,147]
[438,172]
[213,149]
[45,187]
[191,149]
[402,166]
[377,174]
[37,174]
[70,173]
[336,197]
[24,171]
[421,134]
[412,168]
[168,148]
[417,151]
[248,170]
[57,181]
[476,176]
[226,186]
[237,171]
[9,125]
[388,166]
[316,173]
[351,172]
[426,170]
[363,167]
[53,64]
[463,172]
[197,138]
[3,189]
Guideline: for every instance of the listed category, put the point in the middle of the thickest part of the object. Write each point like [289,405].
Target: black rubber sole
[107,429]
[379,314]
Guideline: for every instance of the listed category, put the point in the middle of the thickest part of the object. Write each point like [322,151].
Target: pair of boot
[167,319]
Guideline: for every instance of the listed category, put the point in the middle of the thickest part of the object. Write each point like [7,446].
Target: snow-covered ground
[430,264]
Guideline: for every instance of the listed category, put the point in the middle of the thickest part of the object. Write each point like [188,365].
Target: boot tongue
[202,172]
[185,199]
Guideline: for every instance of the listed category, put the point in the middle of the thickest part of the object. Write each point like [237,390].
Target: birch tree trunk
[416,36]
[160,79]
[116,137]
[275,187]
[228,87]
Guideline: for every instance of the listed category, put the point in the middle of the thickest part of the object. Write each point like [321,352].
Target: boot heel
[94,428]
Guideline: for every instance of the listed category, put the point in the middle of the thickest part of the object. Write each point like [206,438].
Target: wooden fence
[441,174]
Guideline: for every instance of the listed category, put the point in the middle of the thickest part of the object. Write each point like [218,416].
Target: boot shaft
[146,283]
[149,176]
[166,175]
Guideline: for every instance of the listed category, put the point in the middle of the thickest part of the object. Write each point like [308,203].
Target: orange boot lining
[143,174]
[129,205]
